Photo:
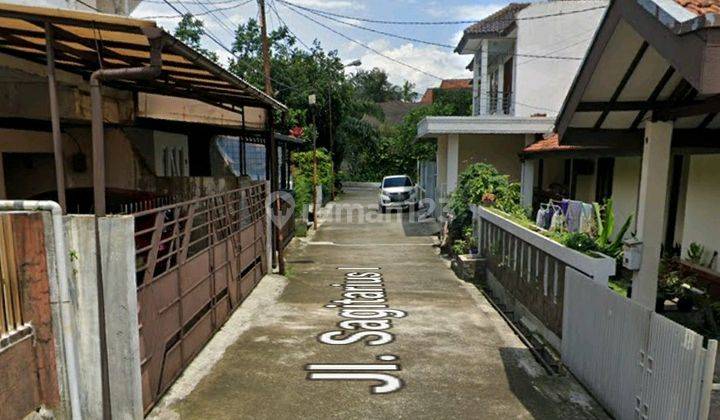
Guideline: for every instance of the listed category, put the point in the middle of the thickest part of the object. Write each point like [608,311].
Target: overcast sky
[435,60]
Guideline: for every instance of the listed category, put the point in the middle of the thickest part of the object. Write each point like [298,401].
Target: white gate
[639,364]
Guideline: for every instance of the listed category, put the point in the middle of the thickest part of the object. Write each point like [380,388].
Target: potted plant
[668,288]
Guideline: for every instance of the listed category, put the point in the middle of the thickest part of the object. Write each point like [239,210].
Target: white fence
[639,364]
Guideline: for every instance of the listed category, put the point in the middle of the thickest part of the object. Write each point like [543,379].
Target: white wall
[542,83]
[122,7]
[702,219]
[626,181]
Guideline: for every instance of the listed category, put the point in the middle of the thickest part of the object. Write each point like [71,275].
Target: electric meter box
[632,254]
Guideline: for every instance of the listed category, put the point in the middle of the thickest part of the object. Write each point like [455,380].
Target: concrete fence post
[117,247]
[82,275]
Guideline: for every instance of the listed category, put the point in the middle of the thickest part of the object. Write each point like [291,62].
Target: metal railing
[196,261]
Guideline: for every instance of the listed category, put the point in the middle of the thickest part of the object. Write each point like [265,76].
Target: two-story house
[524,58]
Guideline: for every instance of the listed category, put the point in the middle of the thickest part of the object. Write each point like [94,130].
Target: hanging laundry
[574,211]
[558,221]
[587,219]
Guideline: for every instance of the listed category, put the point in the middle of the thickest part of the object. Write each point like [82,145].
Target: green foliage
[580,242]
[481,183]
[372,154]
[605,220]
[467,243]
[303,175]
[695,253]
[459,100]
[374,85]
[482,180]
[408,93]
[189,30]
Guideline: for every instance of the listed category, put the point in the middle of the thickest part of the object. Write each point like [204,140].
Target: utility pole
[312,100]
[272,145]
[332,144]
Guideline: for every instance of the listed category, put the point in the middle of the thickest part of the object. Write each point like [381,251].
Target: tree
[408,93]
[374,85]
[190,30]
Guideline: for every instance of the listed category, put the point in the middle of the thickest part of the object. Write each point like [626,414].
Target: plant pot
[660,304]
[685,304]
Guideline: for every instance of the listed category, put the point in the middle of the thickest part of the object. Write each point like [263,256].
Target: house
[116,7]
[660,108]
[524,59]
[446,85]
[111,115]
[639,125]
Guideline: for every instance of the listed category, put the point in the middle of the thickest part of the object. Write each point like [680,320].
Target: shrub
[605,219]
[303,175]
[580,242]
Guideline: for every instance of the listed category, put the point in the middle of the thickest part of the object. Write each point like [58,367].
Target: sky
[431,62]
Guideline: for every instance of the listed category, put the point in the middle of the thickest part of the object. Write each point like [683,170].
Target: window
[400,181]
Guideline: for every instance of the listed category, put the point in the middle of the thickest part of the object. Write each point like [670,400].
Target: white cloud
[475,11]
[433,60]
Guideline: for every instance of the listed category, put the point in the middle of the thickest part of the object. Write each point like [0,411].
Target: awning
[85,42]
[649,59]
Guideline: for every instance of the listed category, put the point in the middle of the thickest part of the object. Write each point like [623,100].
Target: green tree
[189,30]
[374,85]
[408,93]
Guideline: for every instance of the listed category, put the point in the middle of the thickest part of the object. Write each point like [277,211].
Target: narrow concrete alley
[455,356]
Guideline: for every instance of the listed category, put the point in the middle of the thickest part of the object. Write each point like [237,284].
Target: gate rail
[196,261]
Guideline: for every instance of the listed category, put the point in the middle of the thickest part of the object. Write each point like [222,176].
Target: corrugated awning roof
[85,42]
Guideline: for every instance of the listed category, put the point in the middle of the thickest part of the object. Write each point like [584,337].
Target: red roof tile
[450,84]
[701,7]
[549,144]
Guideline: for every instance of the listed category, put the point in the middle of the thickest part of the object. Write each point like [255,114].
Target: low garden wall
[531,268]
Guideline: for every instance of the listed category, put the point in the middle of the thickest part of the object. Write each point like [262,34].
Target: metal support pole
[98,147]
[55,118]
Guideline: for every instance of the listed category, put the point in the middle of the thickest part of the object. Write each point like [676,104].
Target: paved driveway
[440,351]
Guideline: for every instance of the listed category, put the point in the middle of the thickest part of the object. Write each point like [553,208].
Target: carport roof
[85,42]
[649,59]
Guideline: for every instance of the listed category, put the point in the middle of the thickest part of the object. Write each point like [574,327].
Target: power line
[446,22]
[207,12]
[282,21]
[210,3]
[437,44]
[390,58]
[88,5]
[410,66]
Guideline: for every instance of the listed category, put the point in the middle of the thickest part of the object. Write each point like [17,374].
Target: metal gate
[196,262]
[639,364]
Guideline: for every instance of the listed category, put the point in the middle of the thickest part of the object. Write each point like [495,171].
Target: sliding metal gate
[196,262]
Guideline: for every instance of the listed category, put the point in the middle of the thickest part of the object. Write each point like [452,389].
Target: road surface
[440,351]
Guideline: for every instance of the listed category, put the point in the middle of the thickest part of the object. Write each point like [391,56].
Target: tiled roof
[549,144]
[450,84]
[498,22]
[446,84]
[701,7]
